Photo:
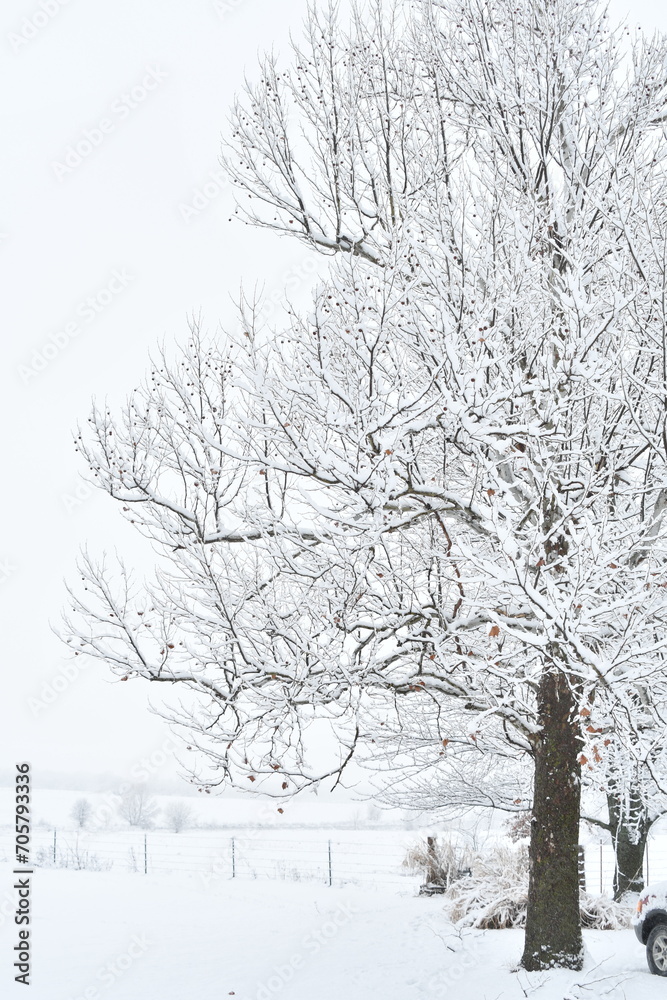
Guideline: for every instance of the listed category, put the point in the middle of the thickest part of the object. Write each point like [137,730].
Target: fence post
[330,871]
[600,867]
[145,855]
[233,859]
[54,847]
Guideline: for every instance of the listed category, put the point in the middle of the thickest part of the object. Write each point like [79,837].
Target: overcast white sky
[63,235]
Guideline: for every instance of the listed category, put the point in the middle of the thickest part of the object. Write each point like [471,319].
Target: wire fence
[250,855]
[253,854]
[600,864]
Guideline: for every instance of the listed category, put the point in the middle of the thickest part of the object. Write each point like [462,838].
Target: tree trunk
[553,924]
[629,839]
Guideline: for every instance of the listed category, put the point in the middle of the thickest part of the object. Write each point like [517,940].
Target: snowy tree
[178,816]
[448,479]
[630,776]
[138,806]
[81,812]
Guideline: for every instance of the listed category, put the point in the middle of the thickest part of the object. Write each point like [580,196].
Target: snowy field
[315,839]
[329,842]
[113,936]
[187,930]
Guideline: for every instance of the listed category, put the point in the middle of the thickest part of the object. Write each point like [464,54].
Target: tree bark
[553,923]
[629,839]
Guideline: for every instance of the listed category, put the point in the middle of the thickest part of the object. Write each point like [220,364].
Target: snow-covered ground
[115,936]
[188,931]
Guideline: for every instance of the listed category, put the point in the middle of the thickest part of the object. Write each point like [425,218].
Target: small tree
[178,816]
[138,806]
[81,812]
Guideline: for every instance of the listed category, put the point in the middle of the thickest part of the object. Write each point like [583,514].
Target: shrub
[71,857]
[604,913]
[495,893]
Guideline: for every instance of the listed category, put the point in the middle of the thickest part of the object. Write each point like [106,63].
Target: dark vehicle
[650,924]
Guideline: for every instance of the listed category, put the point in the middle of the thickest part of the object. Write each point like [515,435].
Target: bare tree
[178,816]
[448,479]
[81,812]
[138,806]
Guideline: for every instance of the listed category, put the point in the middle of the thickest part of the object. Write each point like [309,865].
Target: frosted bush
[71,857]
[495,893]
[603,913]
